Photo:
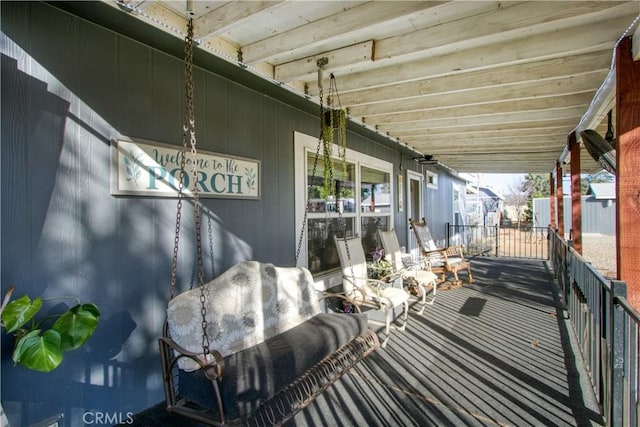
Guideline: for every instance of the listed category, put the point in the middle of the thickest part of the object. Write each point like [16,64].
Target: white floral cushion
[245,305]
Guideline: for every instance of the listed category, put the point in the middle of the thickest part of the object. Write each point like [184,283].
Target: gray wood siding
[73,86]
[439,204]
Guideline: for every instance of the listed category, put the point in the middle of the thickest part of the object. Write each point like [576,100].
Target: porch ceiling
[482,86]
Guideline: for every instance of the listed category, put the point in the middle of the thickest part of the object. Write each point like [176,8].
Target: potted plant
[334,123]
[40,344]
[379,268]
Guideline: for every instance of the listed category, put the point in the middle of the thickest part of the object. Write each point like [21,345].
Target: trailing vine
[334,124]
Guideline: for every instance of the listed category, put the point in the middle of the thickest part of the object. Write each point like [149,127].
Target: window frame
[432,180]
[305,146]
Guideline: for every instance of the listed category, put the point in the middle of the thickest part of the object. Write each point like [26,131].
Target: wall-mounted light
[427,159]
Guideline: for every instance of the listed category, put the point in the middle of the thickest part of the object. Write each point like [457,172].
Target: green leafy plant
[37,346]
[334,123]
[379,268]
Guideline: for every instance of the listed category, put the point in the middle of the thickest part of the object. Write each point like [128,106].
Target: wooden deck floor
[494,353]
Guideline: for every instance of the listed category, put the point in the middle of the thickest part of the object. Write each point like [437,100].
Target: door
[415,208]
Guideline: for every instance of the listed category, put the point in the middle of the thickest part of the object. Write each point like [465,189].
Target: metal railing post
[616,416]
[568,277]
[549,244]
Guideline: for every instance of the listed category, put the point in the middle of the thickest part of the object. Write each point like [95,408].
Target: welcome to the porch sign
[146,168]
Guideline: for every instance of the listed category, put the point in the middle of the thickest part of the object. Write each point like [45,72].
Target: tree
[600,176]
[534,185]
[517,198]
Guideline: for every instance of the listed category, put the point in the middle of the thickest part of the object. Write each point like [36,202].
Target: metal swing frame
[287,402]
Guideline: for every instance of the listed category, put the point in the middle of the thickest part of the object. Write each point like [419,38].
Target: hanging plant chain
[325,141]
[309,184]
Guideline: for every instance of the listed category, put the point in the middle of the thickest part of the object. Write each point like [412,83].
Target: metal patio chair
[383,302]
[416,274]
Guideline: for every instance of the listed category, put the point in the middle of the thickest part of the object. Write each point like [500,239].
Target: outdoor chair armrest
[455,250]
[389,279]
[376,284]
[411,264]
[380,284]
[441,251]
[213,367]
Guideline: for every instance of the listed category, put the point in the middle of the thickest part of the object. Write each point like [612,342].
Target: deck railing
[606,327]
[522,241]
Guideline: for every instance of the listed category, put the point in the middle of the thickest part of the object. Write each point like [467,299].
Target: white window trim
[432,176]
[412,245]
[304,144]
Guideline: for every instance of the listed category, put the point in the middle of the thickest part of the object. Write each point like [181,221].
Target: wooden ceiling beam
[496,120]
[508,21]
[399,132]
[549,89]
[499,141]
[338,59]
[532,105]
[586,63]
[560,43]
[229,14]
[540,128]
[301,41]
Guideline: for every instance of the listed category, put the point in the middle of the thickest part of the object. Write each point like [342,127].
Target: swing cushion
[245,305]
[267,324]
[254,375]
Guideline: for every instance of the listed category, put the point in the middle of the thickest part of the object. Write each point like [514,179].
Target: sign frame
[147,168]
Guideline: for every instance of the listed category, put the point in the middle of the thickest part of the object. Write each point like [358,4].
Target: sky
[502,182]
[505,182]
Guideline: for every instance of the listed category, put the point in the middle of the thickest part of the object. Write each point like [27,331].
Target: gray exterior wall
[596,216]
[68,85]
[439,204]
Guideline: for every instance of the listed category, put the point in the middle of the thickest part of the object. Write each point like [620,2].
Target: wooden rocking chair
[443,260]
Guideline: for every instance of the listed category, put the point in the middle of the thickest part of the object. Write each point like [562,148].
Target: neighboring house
[603,191]
[485,206]
[598,210]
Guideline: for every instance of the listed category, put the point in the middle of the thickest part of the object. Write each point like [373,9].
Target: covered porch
[79,75]
[498,352]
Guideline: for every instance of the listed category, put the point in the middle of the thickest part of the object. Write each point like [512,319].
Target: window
[375,196]
[432,180]
[362,206]
[457,203]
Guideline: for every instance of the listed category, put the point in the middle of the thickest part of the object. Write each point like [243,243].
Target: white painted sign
[146,168]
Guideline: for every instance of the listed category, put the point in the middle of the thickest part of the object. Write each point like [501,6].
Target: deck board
[493,353]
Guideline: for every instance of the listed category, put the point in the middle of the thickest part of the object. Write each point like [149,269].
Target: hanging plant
[334,124]
[342,137]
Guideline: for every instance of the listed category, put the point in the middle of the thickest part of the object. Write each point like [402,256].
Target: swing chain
[342,223]
[309,184]
[197,206]
[189,144]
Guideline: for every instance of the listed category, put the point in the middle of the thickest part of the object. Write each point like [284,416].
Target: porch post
[576,194]
[627,166]
[552,202]
[559,198]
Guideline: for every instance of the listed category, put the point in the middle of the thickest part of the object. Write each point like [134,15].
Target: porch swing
[252,346]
